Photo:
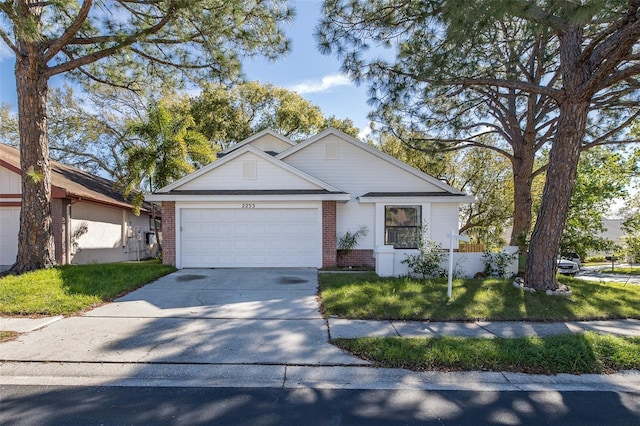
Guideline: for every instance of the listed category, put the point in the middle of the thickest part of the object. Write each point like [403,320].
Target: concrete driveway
[196,316]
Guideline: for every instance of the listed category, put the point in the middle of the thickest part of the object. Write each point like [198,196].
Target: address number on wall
[248,206]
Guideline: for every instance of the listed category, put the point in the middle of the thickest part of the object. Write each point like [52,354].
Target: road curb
[291,376]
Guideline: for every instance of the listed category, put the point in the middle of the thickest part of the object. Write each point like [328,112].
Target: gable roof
[255,137]
[174,187]
[373,151]
[69,182]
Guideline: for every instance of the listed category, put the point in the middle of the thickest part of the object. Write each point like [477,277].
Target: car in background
[574,257]
[567,267]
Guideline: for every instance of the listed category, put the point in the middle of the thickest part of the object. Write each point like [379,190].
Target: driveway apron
[199,316]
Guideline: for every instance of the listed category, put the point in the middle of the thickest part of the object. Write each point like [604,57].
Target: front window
[402,226]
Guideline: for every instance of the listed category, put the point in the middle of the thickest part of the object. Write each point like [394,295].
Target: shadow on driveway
[211,316]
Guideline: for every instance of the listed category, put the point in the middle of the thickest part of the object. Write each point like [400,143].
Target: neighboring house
[268,202]
[91,221]
[613,231]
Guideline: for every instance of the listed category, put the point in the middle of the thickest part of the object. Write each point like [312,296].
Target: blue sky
[314,76]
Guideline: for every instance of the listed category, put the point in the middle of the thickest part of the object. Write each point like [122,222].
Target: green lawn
[70,289]
[367,296]
[568,353]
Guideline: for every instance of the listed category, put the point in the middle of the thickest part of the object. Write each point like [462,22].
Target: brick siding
[357,258]
[169,233]
[329,237]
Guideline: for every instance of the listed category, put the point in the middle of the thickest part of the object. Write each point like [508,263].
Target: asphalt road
[43,405]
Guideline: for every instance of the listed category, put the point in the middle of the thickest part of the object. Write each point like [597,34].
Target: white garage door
[250,238]
[9,226]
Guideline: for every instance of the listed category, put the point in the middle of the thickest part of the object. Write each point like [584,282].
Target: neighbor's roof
[69,182]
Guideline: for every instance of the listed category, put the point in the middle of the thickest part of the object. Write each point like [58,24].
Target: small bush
[427,262]
[497,264]
[350,240]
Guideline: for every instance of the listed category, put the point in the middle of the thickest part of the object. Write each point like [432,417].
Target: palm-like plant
[165,148]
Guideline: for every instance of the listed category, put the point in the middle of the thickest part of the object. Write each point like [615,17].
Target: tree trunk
[522,200]
[36,249]
[541,266]
[540,272]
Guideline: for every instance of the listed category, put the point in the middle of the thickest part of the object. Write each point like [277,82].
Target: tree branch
[507,84]
[70,32]
[126,42]
[5,37]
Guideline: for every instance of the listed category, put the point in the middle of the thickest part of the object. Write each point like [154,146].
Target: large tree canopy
[603,176]
[88,126]
[227,115]
[123,43]
[532,72]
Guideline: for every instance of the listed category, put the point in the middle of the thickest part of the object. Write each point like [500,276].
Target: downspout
[124,228]
[68,230]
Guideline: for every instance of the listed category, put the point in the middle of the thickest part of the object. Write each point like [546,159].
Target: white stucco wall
[105,228]
[351,216]
[9,182]
[444,219]
[9,226]
[465,265]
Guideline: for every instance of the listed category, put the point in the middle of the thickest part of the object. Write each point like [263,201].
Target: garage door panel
[260,244]
[250,237]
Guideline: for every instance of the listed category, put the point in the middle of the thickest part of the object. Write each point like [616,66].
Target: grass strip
[69,289]
[367,296]
[7,335]
[581,353]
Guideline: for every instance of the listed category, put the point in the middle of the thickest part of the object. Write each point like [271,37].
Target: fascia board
[155,198]
[463,199]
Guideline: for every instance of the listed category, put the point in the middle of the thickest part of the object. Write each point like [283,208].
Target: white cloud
[326,83]
[365,132]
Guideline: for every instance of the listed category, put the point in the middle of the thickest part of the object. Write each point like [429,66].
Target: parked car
[567,267]
[574,257]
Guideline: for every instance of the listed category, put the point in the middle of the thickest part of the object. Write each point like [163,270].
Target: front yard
[367,296]
[70,289]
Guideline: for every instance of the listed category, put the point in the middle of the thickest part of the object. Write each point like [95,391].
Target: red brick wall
[329,237]
[169,233]
[357,258]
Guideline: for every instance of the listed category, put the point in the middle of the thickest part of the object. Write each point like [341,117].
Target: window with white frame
[402,226]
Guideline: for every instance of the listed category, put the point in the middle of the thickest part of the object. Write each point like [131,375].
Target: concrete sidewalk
[347,328]
[364,328]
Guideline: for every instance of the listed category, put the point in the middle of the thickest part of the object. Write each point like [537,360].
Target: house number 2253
[248,206]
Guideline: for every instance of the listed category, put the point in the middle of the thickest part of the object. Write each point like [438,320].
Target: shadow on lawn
[372,297]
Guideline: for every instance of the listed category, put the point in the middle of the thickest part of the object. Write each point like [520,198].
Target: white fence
[389,262]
